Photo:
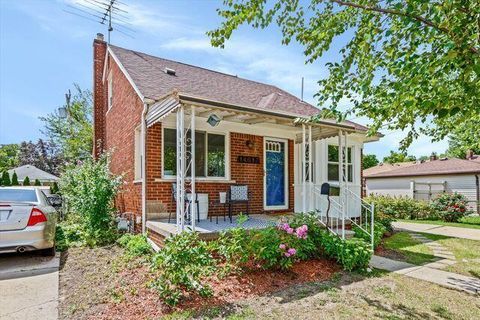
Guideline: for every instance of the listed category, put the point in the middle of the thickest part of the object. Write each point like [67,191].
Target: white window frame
[202,178]
[110,90]
[138,156]
[352,163]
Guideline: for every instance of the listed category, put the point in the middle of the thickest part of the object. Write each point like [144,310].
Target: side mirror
[55,200]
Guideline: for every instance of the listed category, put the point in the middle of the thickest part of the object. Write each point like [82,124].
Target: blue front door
[275,174]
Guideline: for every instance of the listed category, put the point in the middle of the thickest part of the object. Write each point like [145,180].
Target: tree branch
[398,13]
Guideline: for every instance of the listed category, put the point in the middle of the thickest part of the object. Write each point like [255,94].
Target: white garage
[425,180]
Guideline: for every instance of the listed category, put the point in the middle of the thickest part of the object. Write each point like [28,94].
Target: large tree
[412,65]
[396,157]
[72,133]
[369,160]
[465,137]
[43,155]
[8,156]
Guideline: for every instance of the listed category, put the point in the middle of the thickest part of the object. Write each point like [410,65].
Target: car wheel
[50,252]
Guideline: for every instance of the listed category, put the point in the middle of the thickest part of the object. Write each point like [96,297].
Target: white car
[27,220]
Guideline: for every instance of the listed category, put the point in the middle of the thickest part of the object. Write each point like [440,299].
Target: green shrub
[379,231]
[68,234]
[37,183]
[26,181]
[351,254]
[388,208]
[451,206]
[6,179]
[15,179]
[182,265]
[54,188]
[135,245]
[89,189]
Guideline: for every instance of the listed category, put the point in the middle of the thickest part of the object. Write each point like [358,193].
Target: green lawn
[465,222]
[466,252]
[409,249]
[405,248]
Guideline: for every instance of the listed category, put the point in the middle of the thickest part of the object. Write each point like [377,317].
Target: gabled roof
[446,166]
[149,77]
[32,173]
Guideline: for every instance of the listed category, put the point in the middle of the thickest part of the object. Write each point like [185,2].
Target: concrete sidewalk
[440,277]
[29,287]
[455,232]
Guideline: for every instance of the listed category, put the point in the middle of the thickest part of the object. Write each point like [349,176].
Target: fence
[427,191]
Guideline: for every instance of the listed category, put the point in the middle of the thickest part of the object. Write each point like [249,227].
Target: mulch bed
[140,302]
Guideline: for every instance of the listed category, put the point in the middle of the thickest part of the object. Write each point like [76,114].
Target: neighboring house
[246,133]
[33,173]
[425,180]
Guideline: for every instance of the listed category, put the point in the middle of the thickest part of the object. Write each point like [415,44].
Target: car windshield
[18,195]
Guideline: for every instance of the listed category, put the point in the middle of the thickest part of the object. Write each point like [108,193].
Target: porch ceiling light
[213,120]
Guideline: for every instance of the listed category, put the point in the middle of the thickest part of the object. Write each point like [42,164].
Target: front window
[209,154]
[333,164]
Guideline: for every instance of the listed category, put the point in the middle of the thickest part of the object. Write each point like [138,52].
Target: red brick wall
[115,128]
[242,173]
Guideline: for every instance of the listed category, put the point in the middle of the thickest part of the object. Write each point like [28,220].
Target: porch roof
[321,129]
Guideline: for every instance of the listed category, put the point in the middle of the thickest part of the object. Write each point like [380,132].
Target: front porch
[211,228]
[280,159]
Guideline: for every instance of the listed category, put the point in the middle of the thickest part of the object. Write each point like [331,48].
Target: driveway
[466,233]
[28,286]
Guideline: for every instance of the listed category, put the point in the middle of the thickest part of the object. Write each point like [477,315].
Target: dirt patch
[100,284]
[388,253]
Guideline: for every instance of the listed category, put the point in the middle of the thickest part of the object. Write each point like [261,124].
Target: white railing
[335,215]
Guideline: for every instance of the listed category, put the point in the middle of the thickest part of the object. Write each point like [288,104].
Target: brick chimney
[469,154]
[433,156]
[99,95]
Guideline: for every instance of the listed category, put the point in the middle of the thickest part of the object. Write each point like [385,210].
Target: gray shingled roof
[436,167]
[32,173]
[148,74]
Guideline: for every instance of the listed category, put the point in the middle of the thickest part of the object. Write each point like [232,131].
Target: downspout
[144,171]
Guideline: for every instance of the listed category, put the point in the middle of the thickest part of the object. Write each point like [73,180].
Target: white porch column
[341,179]
[310,168]
[181,158]
[347,190]
[304,181]
[193,207]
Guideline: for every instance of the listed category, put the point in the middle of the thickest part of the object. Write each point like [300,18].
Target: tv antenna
[111,13]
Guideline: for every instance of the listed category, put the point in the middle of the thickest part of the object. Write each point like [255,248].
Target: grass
[466,252]
[411,250]
[388,296]
[470,222]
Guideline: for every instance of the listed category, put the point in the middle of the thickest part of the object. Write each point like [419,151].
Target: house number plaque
[248,159]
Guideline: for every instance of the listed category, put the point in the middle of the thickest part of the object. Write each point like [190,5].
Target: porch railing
[338,213]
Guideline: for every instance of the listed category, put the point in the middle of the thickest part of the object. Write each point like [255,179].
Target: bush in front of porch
[186,263]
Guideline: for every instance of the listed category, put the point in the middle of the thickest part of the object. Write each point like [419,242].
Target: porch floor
[211,229]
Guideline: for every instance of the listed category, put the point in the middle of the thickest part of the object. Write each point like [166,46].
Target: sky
[44,50]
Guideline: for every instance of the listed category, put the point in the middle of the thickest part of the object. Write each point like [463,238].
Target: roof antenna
[106,12]
[302,90]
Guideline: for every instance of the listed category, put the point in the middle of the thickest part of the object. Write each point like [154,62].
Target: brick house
[246,133]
